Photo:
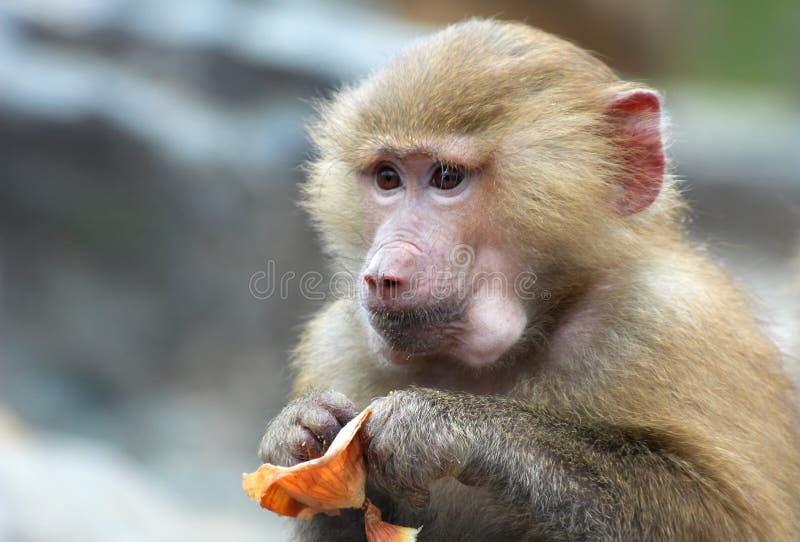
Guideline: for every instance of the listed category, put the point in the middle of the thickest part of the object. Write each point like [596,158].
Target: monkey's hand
[305,428]
[411,441]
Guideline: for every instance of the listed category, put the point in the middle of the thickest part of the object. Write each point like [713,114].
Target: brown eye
[387,178]
[447,177]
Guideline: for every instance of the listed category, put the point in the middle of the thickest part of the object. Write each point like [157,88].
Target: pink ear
[637,128]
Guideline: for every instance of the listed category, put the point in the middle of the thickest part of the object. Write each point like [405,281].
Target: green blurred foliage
[742,41]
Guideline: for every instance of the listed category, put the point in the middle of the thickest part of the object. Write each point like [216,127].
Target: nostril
[382,284]
[390,282]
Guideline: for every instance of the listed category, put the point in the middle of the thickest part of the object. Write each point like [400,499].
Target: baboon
[554,359]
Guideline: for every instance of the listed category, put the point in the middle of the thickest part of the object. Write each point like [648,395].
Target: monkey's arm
[564,479]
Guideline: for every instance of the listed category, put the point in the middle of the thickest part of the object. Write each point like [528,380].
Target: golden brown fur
[641,338]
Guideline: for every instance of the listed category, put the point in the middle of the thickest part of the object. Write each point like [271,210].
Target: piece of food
[325,484]
[380,531]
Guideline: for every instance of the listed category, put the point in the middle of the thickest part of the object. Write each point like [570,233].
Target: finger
[375,424]
[288,446]
[303,444]
[400,482]
[417,497]
[264,448]
[378,460]
[338,405]
[469,477]
[322,424]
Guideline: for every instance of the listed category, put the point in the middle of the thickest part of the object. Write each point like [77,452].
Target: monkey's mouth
[417,330]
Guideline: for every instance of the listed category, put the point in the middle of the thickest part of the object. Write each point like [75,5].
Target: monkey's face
[435,281]
[450,176]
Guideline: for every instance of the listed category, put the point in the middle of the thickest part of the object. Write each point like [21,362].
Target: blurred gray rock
[71,489]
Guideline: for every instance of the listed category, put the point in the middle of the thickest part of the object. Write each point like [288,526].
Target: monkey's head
[475,180]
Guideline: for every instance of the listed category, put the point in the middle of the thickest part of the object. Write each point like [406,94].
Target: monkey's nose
[389,277]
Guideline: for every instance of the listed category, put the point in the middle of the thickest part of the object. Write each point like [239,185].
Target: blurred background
[149,157]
